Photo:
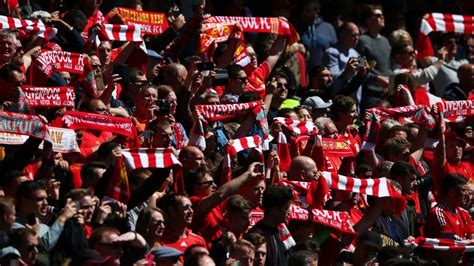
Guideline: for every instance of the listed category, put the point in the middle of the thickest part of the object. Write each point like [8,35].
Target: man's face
[183,212]
[253,56]
[182,76]
[282,86]
[146,100]
[462,195]
[162,137]
[105,51]
[96,65]
[330,131]
[14,82]
[261,255]
[156,226]
[39,202]
[408,184]
[348,118]
[244,255]
[98,107]
[135,82]
[310,12]
[10,217]
[376,21]
[87,208]
[196,159]
[205,187]
[454,149]
[284,212]
[108,247]
[323,80]
[29,249]
[238,221]
[236,85]
[350,37]
[470,46]
[7,48]
[451,45]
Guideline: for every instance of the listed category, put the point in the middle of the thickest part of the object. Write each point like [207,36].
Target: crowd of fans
[56,208]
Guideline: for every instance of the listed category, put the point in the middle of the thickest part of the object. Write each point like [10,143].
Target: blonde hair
[400,36]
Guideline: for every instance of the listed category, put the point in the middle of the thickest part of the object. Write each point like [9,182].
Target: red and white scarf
[21,124]
[92,121]
[155,158]
[440,244]
[122,33]
[441,22]
[232,148]
[377,187]
[32,27]
[456,110]
[49,96]
[225,111]
[297,127]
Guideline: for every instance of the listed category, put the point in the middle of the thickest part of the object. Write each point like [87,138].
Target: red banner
[53,61]
[456,108]
[49,96]
[82,120]
[152,23]
[22,124]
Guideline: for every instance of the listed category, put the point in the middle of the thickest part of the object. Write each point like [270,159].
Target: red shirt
[257,79]
[462,168]
[207,225]
[184,242]
[442,222]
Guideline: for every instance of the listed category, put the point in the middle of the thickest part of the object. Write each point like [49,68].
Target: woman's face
[304,115]
[156,226]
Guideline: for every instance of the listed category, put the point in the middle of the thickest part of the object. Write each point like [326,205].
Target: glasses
[96,66]
[31,248]
[186,206]
[377,15]
[207,183]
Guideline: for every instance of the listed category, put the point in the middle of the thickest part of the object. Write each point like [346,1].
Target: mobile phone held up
[163,107]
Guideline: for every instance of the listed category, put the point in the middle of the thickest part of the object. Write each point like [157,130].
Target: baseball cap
[451,135]
[153,54]
[289,103]
[165,252]
[316,102]
[371,239]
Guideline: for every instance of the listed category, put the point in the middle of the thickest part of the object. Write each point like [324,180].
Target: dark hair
[88,169]
[8,177]
[130,3]
[233,70]
[74,17]
[341,104]
[193,177]
[256,239]
[7,205]
[398,128]
[163,91]
[402,169]
[388,252]
[302,258]
[369,11]
[316,70]
[276,196]
[78,193]
[144,218]
[18,236]
[307,245]
[97,234]
[169,200]
[238,203]
[26,189]
[133,72]
[345,27]
[248,96]
[7,69]
[106,148]
[191,59]
[189,250]
[452,181]
[394,146]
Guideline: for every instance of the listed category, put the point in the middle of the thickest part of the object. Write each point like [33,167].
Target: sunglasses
[31,248]
[243,79]
[377,15]
[207,183]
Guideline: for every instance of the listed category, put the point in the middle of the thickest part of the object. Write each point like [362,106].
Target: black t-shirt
[276,253]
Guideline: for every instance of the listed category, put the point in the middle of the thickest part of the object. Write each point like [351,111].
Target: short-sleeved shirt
[208,224]
[443,222]
[184,242]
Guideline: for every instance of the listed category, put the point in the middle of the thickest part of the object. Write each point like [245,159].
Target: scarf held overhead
[225,111]
[92,121]
[152,23]
[232,148]
[31,27]
[22,124]
[49,96]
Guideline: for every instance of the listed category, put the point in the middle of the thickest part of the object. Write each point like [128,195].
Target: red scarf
[153,23]
[232,148]
[91,121]
[49,96]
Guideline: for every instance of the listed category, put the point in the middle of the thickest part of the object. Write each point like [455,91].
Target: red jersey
[443,222]
[184,242]
[462,168]
[257,80]
[207,225]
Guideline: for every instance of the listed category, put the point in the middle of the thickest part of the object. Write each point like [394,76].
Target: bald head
[175,75]
[302,168]
[191,157]
[466,76]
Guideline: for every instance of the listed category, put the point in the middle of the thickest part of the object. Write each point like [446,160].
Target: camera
[164,107]
[360,62]
[203,66]
[221,77]
[259,168]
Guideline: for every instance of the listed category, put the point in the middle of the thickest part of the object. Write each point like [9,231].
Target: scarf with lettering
[220,29]
[21,124]
[152,23]
[92,121]
[219,112]
[441,22]
[334,219]
[232,148]
[440,244]
[155,158]
[49,96]
[56,61]
[454,111]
